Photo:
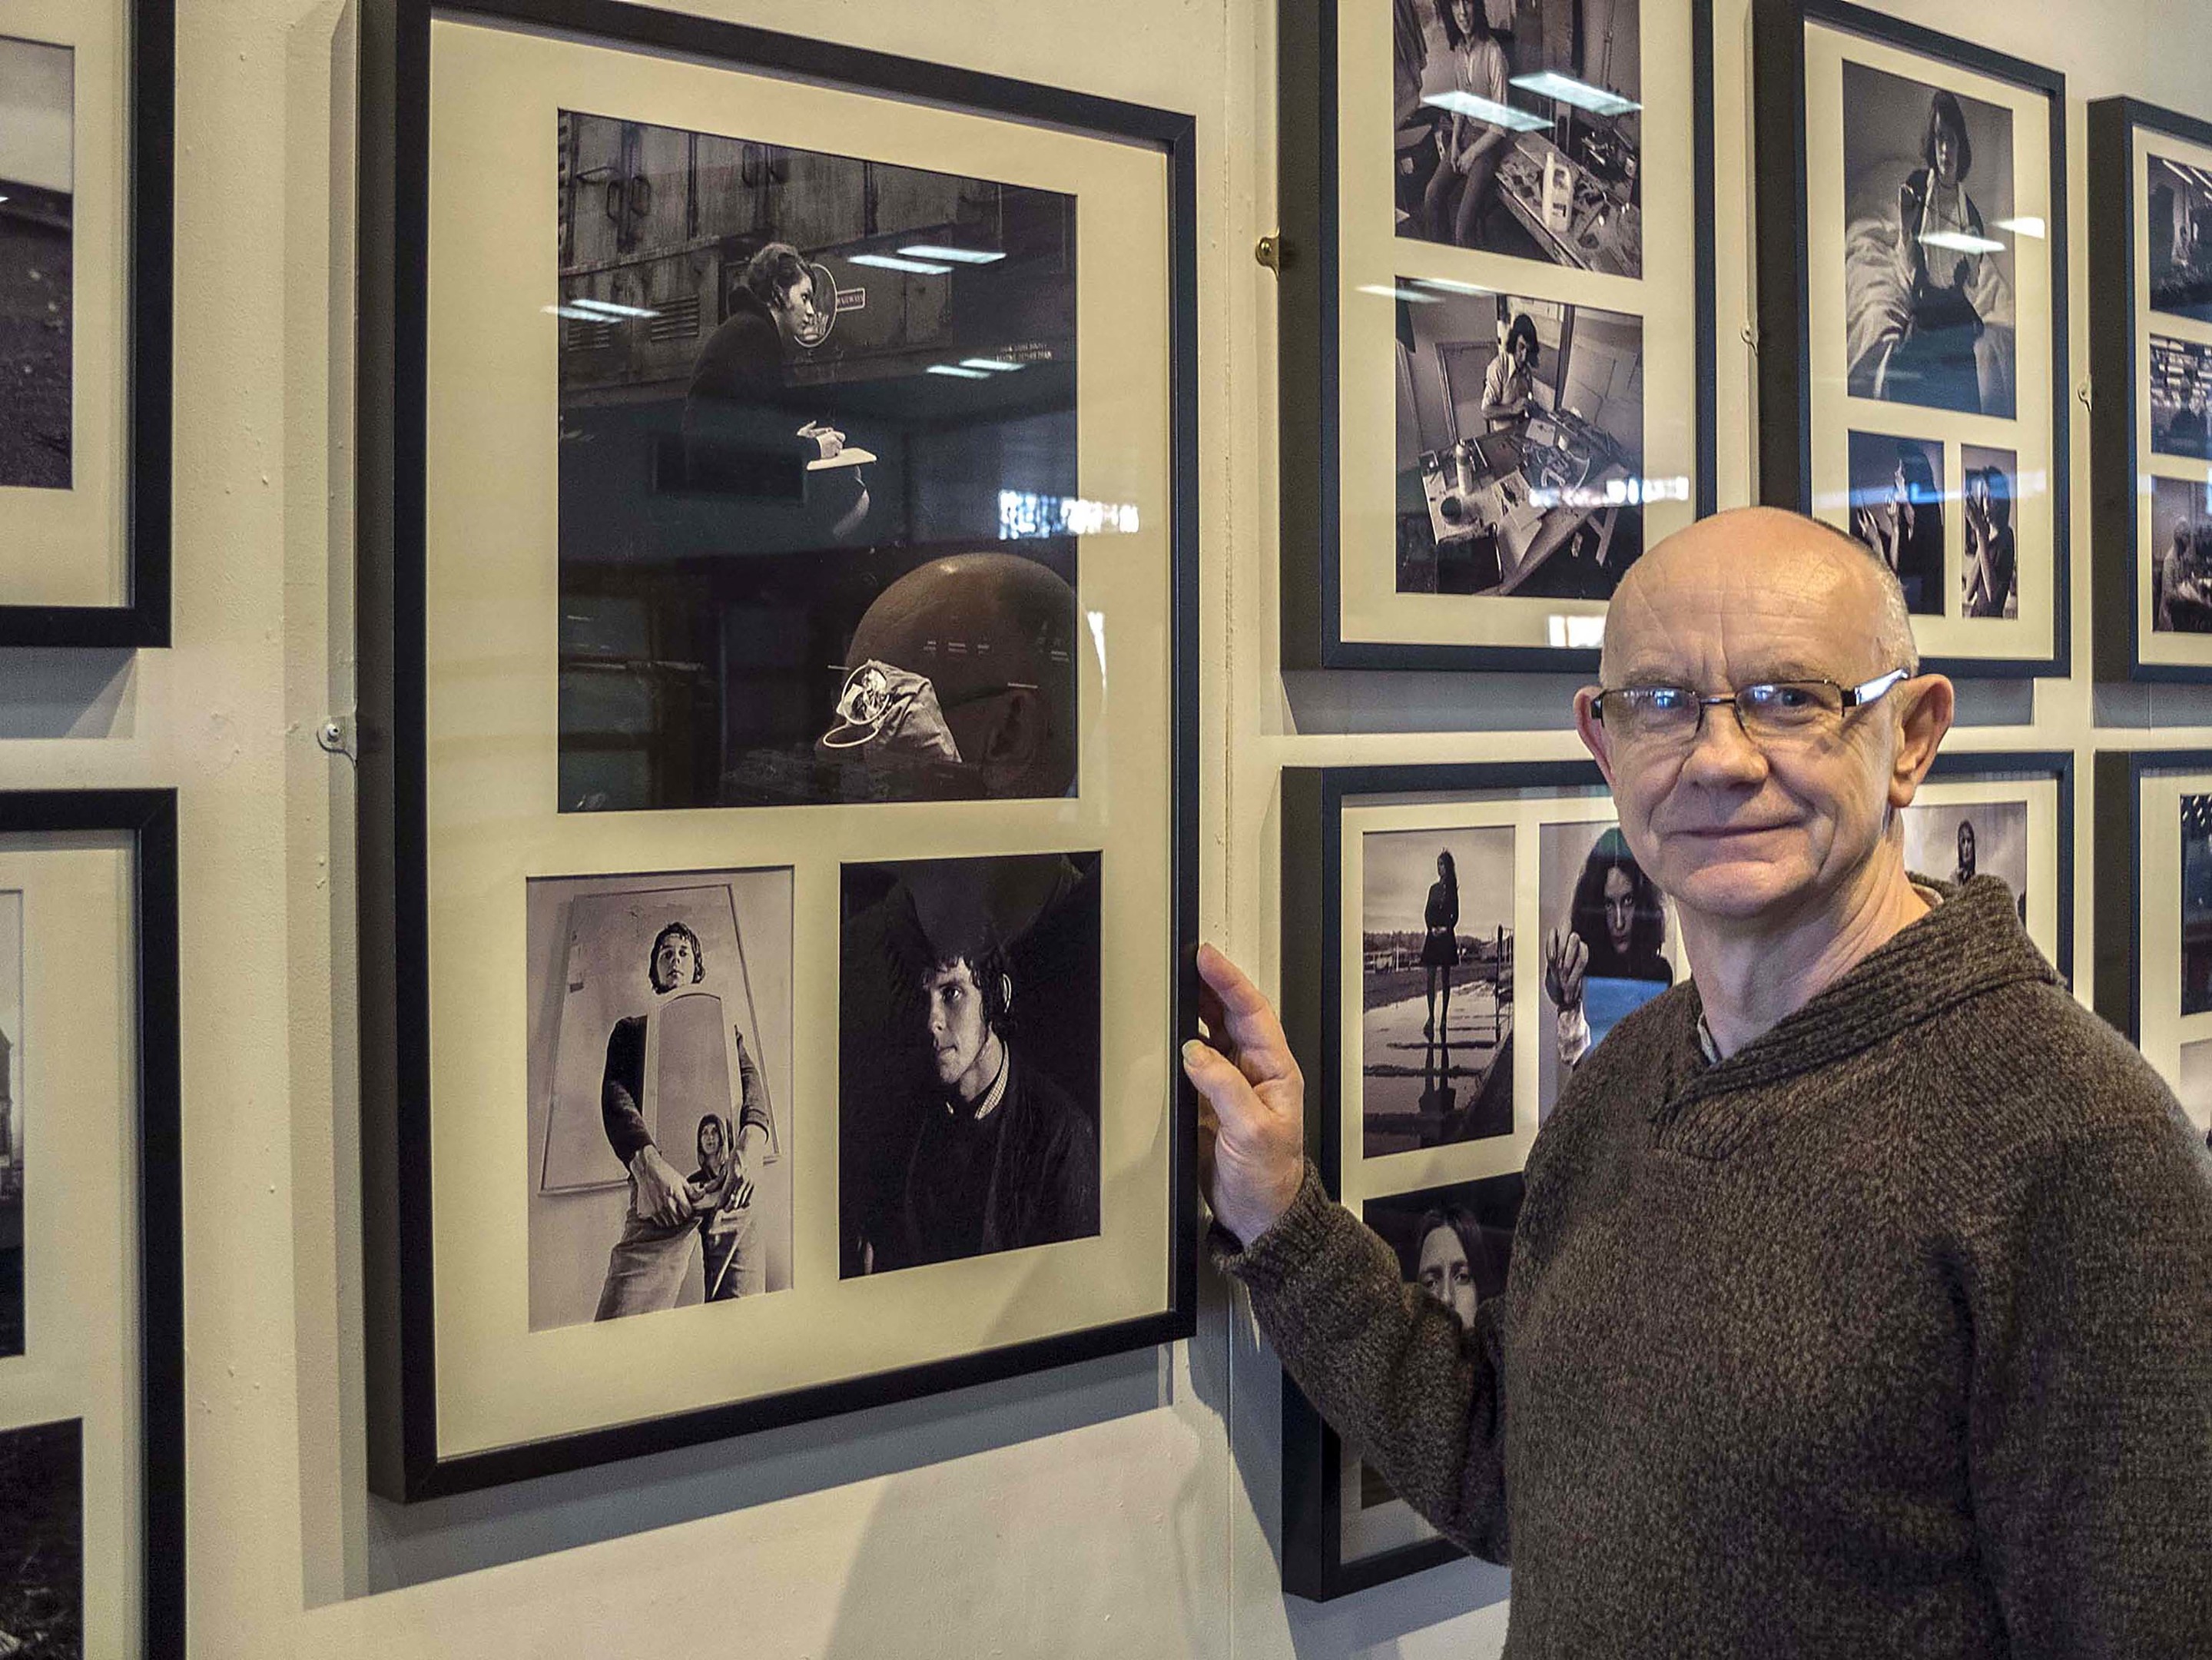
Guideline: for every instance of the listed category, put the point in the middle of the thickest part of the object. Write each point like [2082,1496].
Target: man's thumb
[1212,1074]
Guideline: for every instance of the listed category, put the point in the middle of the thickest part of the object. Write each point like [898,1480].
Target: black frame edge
[144,619]
[404,1463]
[150,818]
[2119,943]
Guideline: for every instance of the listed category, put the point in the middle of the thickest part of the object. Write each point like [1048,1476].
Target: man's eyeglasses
[1771,712]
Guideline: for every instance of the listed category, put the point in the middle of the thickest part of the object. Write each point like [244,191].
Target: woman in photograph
[1468,150]
[1907,529]
[1964,872]
[1612,956]
[1990,565]
[1451,1260]
[1440,942]
[1509,386]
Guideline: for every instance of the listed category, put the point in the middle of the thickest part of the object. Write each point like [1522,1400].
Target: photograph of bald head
[1861,1291]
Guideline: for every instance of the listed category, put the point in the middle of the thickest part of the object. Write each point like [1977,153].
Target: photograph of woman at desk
[2181,556]
[1516,129]
[1519,446]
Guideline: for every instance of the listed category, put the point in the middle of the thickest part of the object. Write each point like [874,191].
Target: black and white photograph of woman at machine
[1517,128]
[1520,445]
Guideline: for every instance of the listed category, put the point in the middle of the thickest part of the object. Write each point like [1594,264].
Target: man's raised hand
[1251,1133]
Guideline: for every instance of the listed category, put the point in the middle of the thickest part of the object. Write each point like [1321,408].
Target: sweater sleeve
[2090,1417]
[620,1114]
[1386,1364]
[753,1107]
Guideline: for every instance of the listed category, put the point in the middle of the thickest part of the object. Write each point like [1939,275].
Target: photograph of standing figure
[1606,944]
[2181,555]
[2178,223]
[1990,580]
[1520,445]
[798,392]
[1928,280]
[661,1033]
[1897,509]
[38,195]
[2180,398]
[968,1082]
[1436,988]
[1518,128]
[1957,840]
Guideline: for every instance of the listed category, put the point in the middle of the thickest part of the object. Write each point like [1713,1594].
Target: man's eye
[1663,700]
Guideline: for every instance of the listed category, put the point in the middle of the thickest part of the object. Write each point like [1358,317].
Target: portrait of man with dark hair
[968,1091]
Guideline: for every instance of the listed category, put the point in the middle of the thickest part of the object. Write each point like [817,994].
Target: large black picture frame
[1953,766]
[2117,988]
[1308,259]
[2119,572]
[148,816]
[144,619]
[1314,1565]
[1783,272]
[406,1463]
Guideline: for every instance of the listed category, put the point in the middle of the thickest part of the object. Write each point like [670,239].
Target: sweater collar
[1968,944]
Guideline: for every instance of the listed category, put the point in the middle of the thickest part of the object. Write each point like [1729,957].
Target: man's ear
[1924,716]
[1591,725]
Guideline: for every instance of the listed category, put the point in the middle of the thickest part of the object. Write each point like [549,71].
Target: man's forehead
[956,972]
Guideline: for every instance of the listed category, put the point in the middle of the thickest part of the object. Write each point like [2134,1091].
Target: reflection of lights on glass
[1580,94]
[1025,515]
[991,365]
[2025,225]
[1486,109]
[1579,633]
[1445,285]
[1959,242]
[1097,621]
[892,262]
[1615,493]
[959,374]
[576,315]
[956,256]
[613,310]
[1413,295]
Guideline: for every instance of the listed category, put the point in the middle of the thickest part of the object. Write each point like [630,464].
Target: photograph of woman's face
[1446,1274]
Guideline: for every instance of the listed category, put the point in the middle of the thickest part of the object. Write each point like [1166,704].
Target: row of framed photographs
[1498,329]
[1482,927]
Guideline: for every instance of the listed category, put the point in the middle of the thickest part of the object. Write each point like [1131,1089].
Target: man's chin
[1720,882]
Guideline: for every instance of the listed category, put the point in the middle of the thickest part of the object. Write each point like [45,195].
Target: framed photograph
[92,1346]
[1912,336]
[788,447]
[2008,814]
[1482,927]
[2151,358]
[1496,321]
[2153,976]
[87,143]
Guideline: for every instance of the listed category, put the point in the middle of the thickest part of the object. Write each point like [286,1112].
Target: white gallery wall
[1123,1508]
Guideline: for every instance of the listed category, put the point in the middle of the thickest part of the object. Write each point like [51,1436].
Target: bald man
[1861,1300]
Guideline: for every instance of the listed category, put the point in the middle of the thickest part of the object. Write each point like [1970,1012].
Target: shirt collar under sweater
[1970,944]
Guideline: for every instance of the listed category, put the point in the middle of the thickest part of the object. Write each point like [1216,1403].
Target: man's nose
[1722,753]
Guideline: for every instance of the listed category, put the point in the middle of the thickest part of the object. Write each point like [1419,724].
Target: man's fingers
[1250,1022]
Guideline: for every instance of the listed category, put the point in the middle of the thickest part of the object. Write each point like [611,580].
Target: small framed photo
[2007,814]
[1497,293]
[2154,978]
[787,940]
[1912,361]
[1482,928]
[92,1349]
[2150,357]
[87,102]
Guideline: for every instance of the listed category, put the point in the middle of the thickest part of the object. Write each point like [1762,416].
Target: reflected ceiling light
[2027,225]
[958,373]
[1959,242]
[999,364]
[1580,94]
[958,256]
[576,315]
[611,309]
[1413,294]
[1445,285]
[1486,109]
[892,262]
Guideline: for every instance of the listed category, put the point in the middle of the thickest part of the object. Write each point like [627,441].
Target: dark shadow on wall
[69,694]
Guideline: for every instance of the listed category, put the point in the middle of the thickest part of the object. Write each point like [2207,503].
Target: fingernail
[1192,1050]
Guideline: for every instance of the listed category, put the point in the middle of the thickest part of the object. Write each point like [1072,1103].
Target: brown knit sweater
[1889,1335]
